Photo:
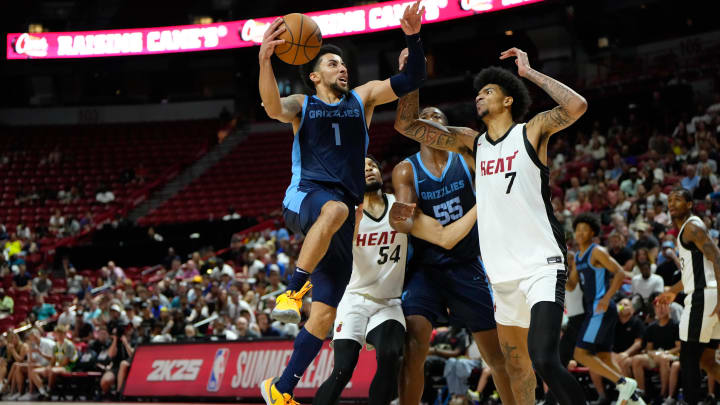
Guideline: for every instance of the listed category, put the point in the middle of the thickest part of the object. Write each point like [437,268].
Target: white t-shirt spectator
[67,318]
[105,197]
[47,348]
[662,197]
[57,221]
[645,288]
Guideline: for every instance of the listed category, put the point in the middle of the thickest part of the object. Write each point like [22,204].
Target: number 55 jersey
[379,257]
[446,198]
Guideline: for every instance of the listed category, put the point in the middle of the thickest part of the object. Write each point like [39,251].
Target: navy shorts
[597,332]
[332,274]
[460,288]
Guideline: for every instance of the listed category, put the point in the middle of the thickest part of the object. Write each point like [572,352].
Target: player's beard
[372,187]
[342,90]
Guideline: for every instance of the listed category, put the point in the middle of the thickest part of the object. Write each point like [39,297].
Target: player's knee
[545,362]
[389,355]
[495,360]
[334,213]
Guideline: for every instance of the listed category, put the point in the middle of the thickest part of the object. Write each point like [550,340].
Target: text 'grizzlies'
[433,195]
[349,113]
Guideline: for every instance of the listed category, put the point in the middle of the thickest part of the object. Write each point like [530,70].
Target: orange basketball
[303,40]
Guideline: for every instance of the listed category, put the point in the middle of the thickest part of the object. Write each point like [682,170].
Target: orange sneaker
[272,396]
[288,304]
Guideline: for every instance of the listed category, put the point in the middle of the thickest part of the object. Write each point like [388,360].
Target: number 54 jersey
[519,234]
[379,257]
[446,198]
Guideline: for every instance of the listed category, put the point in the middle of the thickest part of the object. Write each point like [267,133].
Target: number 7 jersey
[519,234]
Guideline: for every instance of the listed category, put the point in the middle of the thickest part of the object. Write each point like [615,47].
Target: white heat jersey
[697,270]
[379,257]
[519,234]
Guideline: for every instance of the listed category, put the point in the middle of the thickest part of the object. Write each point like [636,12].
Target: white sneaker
[13,396]
[669,401]
[26,397]
[626,390]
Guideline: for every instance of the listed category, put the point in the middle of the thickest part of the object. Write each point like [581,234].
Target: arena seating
[252,179]
[88,157]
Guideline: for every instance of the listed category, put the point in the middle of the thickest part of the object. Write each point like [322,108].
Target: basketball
[302,39]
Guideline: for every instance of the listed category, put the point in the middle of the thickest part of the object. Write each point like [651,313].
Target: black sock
[298,279]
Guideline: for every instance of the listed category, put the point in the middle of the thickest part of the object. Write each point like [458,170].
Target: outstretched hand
[521,60]
[666,298]
[412,18]
[269,42]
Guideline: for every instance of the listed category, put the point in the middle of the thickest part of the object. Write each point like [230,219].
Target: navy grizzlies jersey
[594,281]
[446,199]
[329,147]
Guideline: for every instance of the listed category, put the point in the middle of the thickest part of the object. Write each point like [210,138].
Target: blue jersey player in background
[328,181]
[600,277]
[441,185]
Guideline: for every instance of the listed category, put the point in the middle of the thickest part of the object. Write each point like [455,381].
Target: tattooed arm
[698,235]
[571,105]
[431,133]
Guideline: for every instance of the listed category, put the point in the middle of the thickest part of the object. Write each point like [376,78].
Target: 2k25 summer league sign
[234,34]
[232,369]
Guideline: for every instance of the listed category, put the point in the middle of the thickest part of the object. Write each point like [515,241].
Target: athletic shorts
[332,274]
[458,293]
[357,315]
[696,324]
[597,332]
[514,299]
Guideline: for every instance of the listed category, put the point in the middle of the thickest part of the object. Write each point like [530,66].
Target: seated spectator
[691,179]
[231,215]
[41,285]
[83,331]
[67,316]
[243,331]
[646,239]
[65,356]
[707,184]
[266,330]
[661,216]
[116,273]
[662,347]
[645,285]
[154,236]
[15,353]
[630,185]
[629,334]
[57,222]
[221,332]
[446,345]
[41,353]
[642,255]
[105,347]
[43,310]
[7,305]
[668,264]
[104,195]
[74,281]
[619,251]
[274,286]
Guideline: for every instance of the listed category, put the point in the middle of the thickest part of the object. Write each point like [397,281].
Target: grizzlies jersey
[329,147]
[594,281]
[446,199]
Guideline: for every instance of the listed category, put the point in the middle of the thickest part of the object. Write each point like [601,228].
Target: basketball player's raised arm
[429,229]
[402,212]
[601,256]
[431,133]
[571,105]
[698,235]
[377,92]
[286,109]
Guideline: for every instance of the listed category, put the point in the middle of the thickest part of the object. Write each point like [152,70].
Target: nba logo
[218,369]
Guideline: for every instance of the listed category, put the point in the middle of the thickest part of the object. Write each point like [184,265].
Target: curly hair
[311,66]
[511,86]
[591,220]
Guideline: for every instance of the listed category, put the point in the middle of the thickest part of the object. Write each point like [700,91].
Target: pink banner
[234,34]
[232,369]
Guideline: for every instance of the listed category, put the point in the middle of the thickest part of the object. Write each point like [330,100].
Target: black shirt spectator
[669,271]
[662,337]
[266,330]
[626,333]
[22,279]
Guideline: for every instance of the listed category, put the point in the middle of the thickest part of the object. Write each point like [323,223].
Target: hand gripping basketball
[270,41]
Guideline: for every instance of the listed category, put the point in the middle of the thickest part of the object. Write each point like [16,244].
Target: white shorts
[514,299]
[696,324]
[357,315]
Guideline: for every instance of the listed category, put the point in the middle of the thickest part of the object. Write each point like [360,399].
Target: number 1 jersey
[379,256]
[446,198]
[519,234]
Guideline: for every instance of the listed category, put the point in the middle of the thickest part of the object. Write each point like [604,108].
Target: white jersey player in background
[521,242]
[700,320]
[370,311]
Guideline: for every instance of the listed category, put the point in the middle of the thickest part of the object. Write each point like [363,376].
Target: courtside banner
[234,34]
[232,369]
